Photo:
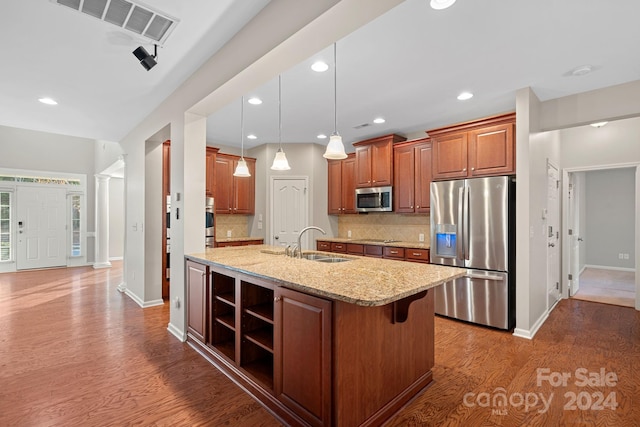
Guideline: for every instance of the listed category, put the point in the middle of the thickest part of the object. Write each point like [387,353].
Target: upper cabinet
[210,170]
[233,195]
[412,176]
[482,147]
[341,185]
[374,161]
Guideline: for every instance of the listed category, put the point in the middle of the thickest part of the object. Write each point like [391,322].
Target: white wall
[116,218]
[610,217]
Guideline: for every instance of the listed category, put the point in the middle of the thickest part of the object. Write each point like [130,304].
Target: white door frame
[272,180]
[565,222]
[553,239]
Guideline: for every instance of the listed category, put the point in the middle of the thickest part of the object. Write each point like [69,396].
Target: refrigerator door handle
[460,229]
[485,276]
[465,224]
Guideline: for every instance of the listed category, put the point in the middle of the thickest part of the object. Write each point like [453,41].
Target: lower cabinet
[276,339]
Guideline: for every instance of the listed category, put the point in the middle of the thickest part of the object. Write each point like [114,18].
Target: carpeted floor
[607,286]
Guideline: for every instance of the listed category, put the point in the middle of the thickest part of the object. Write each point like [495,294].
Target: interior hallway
[76,352]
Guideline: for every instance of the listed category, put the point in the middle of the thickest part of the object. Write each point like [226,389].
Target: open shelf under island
[318,343]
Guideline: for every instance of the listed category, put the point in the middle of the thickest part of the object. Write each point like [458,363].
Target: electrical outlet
[228,233]
[626,256]
[421,237]
[259,225]
[349,233]
[620,256]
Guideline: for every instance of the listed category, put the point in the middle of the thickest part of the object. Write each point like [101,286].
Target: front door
[41,227]
[553,236]
[289,210]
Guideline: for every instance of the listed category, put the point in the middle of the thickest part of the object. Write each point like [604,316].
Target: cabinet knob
[276,299]
[374,180]
[464,170]
[411,207]
[235,209]
[417,207]
[473,169]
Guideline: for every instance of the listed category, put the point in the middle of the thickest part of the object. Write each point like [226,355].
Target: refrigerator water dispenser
[446,240]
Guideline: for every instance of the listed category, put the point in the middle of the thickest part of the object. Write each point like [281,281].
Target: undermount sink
[324,258]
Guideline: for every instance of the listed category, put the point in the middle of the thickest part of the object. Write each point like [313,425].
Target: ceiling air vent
[364,125]
[129,15]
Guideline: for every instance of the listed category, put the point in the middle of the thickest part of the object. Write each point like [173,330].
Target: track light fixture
[146,60]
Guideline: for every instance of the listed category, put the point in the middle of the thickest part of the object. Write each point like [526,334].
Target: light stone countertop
[362,281]
[378,242]
[237,239]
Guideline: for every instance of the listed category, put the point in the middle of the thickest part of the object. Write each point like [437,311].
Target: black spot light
[147,60]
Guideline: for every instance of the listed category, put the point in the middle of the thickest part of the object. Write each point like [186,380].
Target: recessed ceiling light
[582,70]
[599,124]
[48,101]
[378,120]
[252,136]
[319,66]
[441,4]
[465,95]
[322,136]
[255,101]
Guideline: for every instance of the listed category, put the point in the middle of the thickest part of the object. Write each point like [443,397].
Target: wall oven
[375,199]
[209,231]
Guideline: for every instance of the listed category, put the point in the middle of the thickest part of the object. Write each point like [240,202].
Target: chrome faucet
[297,250]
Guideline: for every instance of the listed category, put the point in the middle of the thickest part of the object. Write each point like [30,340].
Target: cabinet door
[334,172]
[197,282]
[450,156]
[302,355]
[404,175]
[210,170]
[223,184]
[422,156]
[363,166]
[349,185]
[244,190]
[491,150]
[381,163]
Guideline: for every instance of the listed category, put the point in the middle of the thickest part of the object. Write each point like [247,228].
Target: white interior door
[574,237]
[41,227]
[553,235]
[289,210]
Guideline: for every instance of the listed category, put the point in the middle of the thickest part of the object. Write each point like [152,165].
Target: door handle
[552,245]
[276,237]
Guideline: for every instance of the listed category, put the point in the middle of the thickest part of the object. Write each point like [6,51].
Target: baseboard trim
[122,287]
[134,297]
[116,258]
[176,332]
[102,265]
[530,333]
[607,267]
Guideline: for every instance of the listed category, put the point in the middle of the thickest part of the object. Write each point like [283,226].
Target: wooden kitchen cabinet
[302,326]
[484,147]
[412,176]
[197,283]
[341,185]
[234,195]
[374,161]
[210,170]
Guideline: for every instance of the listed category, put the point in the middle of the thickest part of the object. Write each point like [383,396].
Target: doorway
[601,238]
[289,209]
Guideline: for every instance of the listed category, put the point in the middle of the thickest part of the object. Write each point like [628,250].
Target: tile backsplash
[406,228]
[238,224]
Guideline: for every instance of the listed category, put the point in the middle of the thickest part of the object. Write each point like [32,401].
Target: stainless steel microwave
[375,199]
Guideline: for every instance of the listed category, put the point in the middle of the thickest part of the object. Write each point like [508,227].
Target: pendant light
[242,170]
[335,148]
[280,162]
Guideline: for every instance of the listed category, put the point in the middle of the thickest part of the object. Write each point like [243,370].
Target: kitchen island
[343,341]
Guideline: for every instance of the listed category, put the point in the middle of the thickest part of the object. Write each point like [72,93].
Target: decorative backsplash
[406,228]
[238,224]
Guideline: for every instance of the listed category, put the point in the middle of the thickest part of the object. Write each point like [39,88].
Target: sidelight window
[76,242]
[5,226]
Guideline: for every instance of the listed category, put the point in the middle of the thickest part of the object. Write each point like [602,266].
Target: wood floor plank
[76,352]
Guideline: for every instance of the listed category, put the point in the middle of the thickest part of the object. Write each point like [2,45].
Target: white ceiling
[407,66]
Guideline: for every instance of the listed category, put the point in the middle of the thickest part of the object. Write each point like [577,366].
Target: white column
[102,222]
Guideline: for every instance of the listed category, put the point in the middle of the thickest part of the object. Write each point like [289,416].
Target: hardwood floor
[76,352]
[607,286]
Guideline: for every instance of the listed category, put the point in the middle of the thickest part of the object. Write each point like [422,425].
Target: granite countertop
[379,242]
[237,239]
[362,281]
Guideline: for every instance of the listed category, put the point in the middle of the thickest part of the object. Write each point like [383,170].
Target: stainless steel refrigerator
[473,226]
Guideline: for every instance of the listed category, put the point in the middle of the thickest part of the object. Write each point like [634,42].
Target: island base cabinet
[197,283]
[303,355]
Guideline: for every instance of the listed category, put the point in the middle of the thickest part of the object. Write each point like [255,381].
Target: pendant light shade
[242,170]
[280,162]
[335,148]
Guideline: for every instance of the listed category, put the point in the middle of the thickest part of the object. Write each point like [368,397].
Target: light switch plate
[228,233]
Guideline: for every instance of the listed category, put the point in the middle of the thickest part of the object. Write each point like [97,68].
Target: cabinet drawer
[355,248]
[338,247]
[417,255]
[395,253]
[323,246]
[373,251]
